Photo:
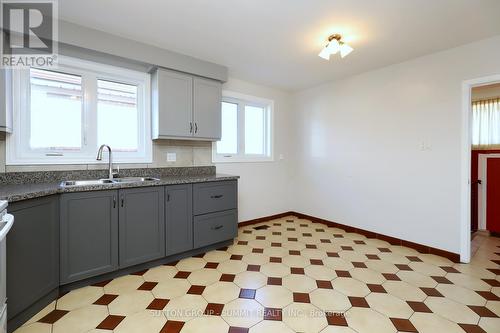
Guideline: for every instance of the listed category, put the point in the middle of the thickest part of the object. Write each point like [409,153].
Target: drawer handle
[217,227]
[217,196]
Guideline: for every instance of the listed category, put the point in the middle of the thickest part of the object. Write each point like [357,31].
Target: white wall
[358,157]
[263,186]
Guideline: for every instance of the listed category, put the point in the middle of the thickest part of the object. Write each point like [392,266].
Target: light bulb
[333,47]
[324,54]
[345,50]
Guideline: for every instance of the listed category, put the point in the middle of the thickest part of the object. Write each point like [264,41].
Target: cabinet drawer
[214,197]
[215,227]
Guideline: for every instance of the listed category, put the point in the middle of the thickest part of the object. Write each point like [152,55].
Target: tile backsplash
[188,153]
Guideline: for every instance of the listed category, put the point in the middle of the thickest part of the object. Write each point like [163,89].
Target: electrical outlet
[171,157]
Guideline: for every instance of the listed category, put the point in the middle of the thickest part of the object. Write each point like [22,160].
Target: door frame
[466,150]
[482,194]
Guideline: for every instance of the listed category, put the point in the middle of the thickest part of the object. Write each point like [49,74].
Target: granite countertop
[18,192]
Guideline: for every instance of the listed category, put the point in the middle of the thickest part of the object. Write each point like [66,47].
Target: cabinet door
[5,100]
[207,109]
[32,252]
[179,218]
[172,98]
[89,234]
[142,225]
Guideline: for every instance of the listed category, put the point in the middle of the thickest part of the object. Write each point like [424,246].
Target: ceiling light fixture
[334,46]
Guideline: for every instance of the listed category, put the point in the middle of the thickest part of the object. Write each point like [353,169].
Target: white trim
[248,158]
[482,193]
[466,144]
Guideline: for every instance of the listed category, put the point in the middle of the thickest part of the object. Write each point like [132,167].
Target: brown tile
[199,255]
[414,258]
[389,239]
[105,299]
[431,292]
[333,254]
[260,237]
[140,273]
[324,284]
[376,288]
[110,322]
[317,262]
[214,309]
[272,314]
[359,302]
[301,298]
[297,270]
[290,229]
[173,263]
[391,277]
[419,306]
[172,326]
[488,295]
[275,244]
[247,231]
[147,286]
[358,264]
[182,275]
[449,269]
[495,271]
[224,248]
[492,282]
[469,328]
[325,241]
[257,250]
[319,230]
[53,316]
[236,257]
[311,246]
[335,319]
[403,267]
[102,283]
[343,273]
[275,259]
[359,242]
[441,279]
[253,268]
[212,265]
[338,236]
[237,330]
[227,277]
[242,243]
[196,290]
[294,253]
[158,304]
[384,249]
[274,281]
[307,234]
[373,256]
[347,248]
[482,311]
[403,325]
[247,293]
[292,239]
[276,233]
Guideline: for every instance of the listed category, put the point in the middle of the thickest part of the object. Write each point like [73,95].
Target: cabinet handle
[217,227]
[196,127]
[168,197]
[122,201]
[190,127]
[114,202]
[218,196]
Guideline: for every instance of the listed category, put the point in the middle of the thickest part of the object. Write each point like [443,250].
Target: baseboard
[455,257]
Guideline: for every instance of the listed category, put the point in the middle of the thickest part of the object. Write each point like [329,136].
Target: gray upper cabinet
[179,218]
[89,234]
[5,99]
[185,107]
[207,95]
[142,225]
[32,252]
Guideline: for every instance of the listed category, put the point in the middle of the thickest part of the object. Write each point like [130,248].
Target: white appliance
[6,222]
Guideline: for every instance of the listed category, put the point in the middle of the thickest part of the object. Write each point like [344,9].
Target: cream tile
[79,298]
[403,250]
[302,317]
[432,323]
[171,289]
[239,249]
[365,320]
[35,328]
[393,258]
[320,272]
[404,291]
[130,303]
[461,294]
[123,284]
[274,296]
[381,266]
[256,258]
[250,280]
[494,306]
[490,325]
[337,329]
[270,327]
[296,261]
[417,279]
[352,256]
[350,287]
[330,300]
[337,263]
[276,252]
[221,292]
[469,282]
[258,243]
[216,256]
[143,321]
[81,320]
[452,310]
[190,264]
[275,270]
[427,269]
[185,308]
[474,270]
[243,313]
[367,275]
[205,324]
[435,260]
[389,305]
[204,277]
[313,253]
[160,274]
[299,283]
[232,266]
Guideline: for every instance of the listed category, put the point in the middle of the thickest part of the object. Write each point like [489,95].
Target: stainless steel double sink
[72,183]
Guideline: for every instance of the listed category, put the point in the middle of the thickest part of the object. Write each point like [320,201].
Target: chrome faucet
[99,158]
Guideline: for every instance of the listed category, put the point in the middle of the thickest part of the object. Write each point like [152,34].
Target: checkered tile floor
[292,275]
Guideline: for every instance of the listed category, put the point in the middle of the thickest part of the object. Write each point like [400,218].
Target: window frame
[243,100]
[18,151]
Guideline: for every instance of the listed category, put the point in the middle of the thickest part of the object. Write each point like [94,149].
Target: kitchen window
[246,129]
[62,115]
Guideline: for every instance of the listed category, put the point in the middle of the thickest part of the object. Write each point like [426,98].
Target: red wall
[474,190]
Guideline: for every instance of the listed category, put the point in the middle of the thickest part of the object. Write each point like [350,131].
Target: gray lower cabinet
[32,252]
[179,218]
[215,196]
[89,234]
[215,227]
[141,225]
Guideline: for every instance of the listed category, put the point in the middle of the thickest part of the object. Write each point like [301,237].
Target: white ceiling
[276,42]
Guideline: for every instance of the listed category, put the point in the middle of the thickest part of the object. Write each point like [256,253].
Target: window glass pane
[117,116]
[55,110]
[229,138]
[254,130]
